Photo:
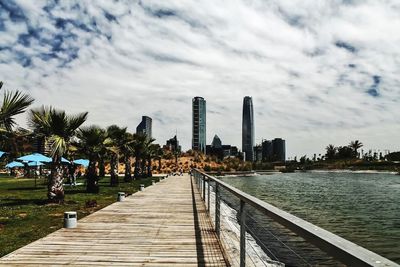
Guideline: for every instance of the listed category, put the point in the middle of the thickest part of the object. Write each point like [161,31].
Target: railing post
[208,195]
[204,188]
[217,210]
[200,184]
[242,234]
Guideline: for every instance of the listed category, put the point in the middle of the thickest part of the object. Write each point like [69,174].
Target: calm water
[363,208]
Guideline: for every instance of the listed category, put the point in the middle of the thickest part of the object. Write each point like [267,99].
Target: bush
[207,168]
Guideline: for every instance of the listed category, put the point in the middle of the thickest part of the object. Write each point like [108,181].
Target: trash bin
[141,188]
[70,219]
[121,196]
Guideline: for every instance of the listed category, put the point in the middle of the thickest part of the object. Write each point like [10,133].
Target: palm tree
[102,166]
[355,145]
[152,153]
[92,142]
[139,150]
[159,155]
[331,151]
[127,150]
[117,139]
[59,128]
[14,103]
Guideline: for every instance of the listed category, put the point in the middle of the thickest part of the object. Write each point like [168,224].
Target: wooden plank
[165,225]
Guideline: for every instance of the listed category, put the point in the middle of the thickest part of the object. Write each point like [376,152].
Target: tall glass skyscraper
[248,128]
[199,124]
[145,127]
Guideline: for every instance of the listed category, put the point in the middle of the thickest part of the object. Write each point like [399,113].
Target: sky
[319,72]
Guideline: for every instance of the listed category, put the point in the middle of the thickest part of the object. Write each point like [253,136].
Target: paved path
[165,225]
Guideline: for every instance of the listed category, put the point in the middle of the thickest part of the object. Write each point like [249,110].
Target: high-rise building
[217,143]
[199,124]
[144,127]
[274,150]
[173,145]
[248,128]
[279,149]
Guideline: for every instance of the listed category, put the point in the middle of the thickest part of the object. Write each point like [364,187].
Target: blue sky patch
[14,11]
[350,48]
[374,89]
[110,16]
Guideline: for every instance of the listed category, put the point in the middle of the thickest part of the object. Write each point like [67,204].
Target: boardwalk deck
[165,225]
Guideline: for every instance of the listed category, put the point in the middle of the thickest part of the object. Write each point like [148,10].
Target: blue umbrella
[36,157]
[2,153]
[14,164]
[35,163]
[84,162]
[65,160]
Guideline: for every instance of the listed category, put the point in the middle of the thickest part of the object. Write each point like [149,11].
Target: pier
[184,221]
[165,225]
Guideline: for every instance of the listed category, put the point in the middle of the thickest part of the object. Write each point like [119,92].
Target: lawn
[25,216]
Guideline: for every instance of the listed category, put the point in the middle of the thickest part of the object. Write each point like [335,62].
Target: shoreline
[351,171]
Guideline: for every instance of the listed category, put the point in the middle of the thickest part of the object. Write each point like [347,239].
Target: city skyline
[318,73]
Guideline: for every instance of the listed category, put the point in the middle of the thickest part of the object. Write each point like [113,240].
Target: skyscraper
[279,149]
[199,124]
[144,126]
[248,128]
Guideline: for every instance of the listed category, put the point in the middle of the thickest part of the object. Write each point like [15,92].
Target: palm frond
[74,122]
[14,103]
[39,120]
[58,145]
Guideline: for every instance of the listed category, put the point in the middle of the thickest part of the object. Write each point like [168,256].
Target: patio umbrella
[35,164]
[14,164]
[36,157]
[83,162]
[65,160]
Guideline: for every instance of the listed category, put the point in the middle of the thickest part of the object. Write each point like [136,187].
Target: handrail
[343,250]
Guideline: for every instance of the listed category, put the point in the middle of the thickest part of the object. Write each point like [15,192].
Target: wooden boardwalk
[165,225]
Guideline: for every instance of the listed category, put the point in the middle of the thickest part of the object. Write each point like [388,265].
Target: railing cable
[279,240]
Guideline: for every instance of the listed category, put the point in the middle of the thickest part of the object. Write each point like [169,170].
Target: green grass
[25,216]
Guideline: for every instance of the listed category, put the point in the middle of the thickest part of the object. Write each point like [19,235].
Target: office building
[272,151]
[173,145]
[221,151]
[145,127]
[279,149]
[248,128]
[217,143]
[199,124]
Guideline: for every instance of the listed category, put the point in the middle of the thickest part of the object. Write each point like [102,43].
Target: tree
[139,147]
[345,152]
[92,142]
[152,152]
[331,151]
[116,134]
[59,128]
[355,145]
[14,103]
[394,156]
[127,149]
[159,155]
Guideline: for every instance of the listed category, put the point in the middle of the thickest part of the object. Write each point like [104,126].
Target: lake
[361,207]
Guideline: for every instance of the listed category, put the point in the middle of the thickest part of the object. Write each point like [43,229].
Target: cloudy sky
[319,72]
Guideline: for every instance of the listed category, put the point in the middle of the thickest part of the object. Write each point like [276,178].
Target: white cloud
[156,55]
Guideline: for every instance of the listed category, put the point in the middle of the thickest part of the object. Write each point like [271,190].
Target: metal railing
[336,247]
